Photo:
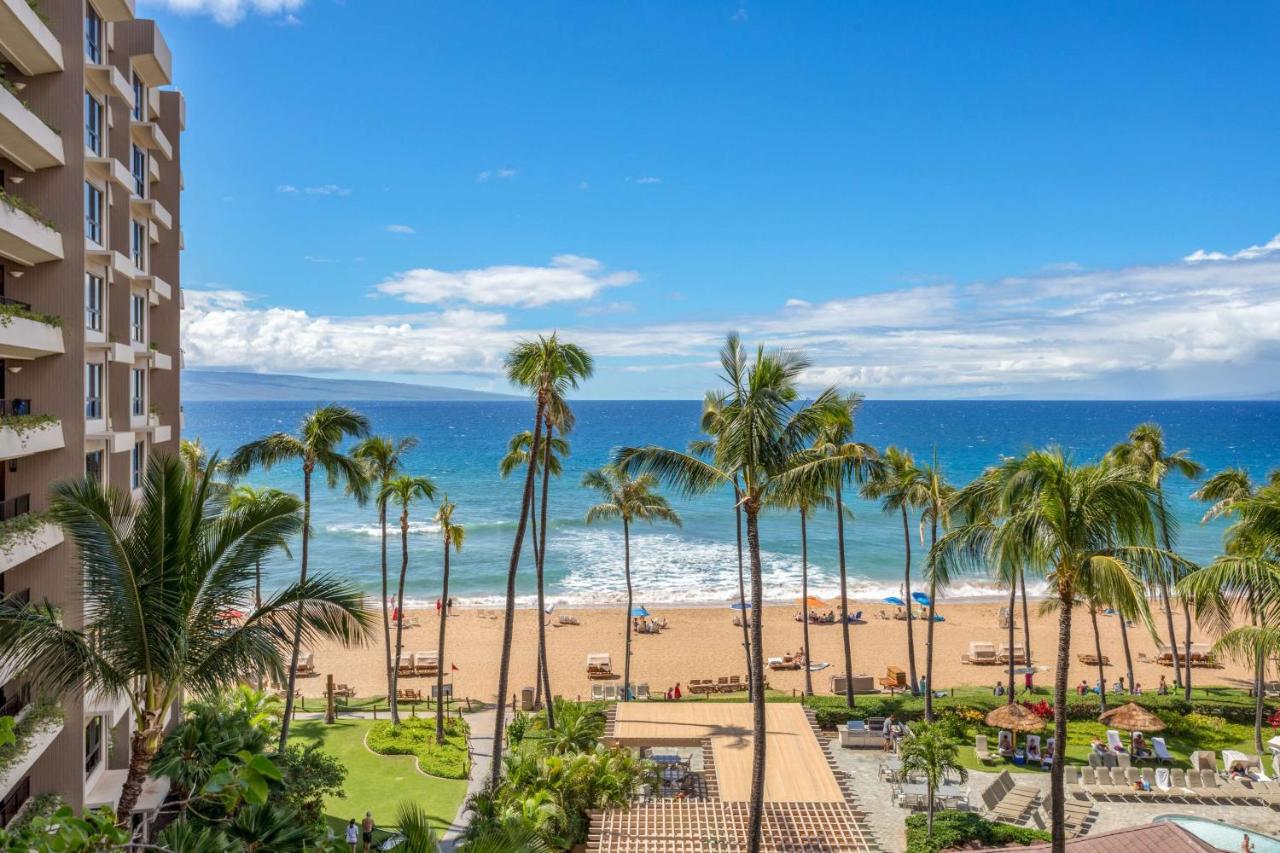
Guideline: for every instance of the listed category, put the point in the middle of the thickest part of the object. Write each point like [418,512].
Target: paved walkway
[481,724]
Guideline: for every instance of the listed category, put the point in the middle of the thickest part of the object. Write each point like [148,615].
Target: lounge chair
[1161,751]
[597,692]
[306,663]
[1005,742]
[784,662]
[642,690]
[1116,745]
[408,694]
[343,691]
[980,750]
[1033,749]
[1046,758]
[610,693]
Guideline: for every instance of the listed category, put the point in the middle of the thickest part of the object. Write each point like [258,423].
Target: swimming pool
[1224,836]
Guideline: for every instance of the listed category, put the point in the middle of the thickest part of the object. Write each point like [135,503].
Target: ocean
[461,444]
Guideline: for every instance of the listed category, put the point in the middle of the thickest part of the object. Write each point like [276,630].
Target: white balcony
[108,169]
[149,135]
[24,138]
[117,441]
[27,40]
[36,746]
[161,434]
[149,208]
[161,361]
[26,241]
[105,792]
[112,706]
[153,168]
[107,80]
[115,10]
[23,338]
[123,266]
[24,545]
[17,439]
[116,351]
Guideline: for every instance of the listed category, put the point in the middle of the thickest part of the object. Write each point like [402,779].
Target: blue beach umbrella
[740,605]
[920,598]
[895,601]
[639,612]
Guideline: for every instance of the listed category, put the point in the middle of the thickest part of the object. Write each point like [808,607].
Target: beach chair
[597,692]
[1178,784]
[856,618]
[1033,749]
[1161,751]
[1123,761]
[306,663]
[980,750]
[1005,743]
[610,693]
[1114,743]
[1006,617]
[599,665]
[408,694]
[566,619]
[1046,757]
[343,691]
[1204,759]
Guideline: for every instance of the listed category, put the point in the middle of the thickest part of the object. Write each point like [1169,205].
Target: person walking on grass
[367,826]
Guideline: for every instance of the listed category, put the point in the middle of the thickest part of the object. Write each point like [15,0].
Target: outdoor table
[920,792]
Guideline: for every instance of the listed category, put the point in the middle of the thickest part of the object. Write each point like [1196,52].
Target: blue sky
[934,200]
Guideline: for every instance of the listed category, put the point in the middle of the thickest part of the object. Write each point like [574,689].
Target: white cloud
[567,278]
[230,12]
[648,179]
[401,229]
[504,174]
[322,189]
[1272,245]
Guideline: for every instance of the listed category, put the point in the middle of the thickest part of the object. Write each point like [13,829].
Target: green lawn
[377,782]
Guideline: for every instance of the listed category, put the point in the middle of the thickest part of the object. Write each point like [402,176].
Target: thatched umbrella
[1132,718]
[1016,718]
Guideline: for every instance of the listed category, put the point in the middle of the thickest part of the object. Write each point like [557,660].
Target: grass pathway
[377,783]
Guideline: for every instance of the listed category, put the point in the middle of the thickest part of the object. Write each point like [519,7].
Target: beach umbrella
[639,612]
[812,603]
[895,601]
[1132,717]
[740,605]
[1016,718]
[920,598]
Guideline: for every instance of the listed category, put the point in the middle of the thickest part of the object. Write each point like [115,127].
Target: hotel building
[90,238]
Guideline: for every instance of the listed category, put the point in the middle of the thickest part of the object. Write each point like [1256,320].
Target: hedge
[963,829]
[416,736]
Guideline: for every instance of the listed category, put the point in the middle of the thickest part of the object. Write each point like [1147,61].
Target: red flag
[453,667]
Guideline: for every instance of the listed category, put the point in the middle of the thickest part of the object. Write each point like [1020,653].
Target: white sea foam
[416,528]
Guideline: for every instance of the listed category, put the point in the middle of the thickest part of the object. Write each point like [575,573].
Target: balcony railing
[9,300]
[14,507]
[12,407]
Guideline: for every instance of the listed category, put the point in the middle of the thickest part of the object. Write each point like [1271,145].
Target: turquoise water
[1224,836]
[461,444]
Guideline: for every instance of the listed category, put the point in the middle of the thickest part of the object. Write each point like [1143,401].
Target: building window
[139,392]
[93,302]
[139,97]
[92,745]
[93,213]
[93,390]
[14,800]
[138,318]
[93,124]
[138,243]
[93,36]
[93,466]
[140,172]
[138,462]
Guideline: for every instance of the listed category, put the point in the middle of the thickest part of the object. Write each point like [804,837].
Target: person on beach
[367,826]
[450,606]
[353,835]
[676,693]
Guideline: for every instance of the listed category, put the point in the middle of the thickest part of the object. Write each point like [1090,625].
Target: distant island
[219,385]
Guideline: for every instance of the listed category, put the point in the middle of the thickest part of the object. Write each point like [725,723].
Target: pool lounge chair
[1033,749]
[981,751]
[597,692]
[1161,751]
[610,693]
[1005,743]
[1116,745]
[1046,758]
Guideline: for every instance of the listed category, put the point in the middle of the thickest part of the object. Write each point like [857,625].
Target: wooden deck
[795,766]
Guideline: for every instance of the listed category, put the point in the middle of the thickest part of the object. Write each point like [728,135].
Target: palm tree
[931,752]
[382,459]
[764,427]
[414,826]
[453,534]
[1145,450]
[548,368]
[246,498]
[1082,526]
[629,499]
[402,491]
[804,498]
[553,452]
[193,456]
[936,512]
[316,444]
[900,486]
[158,575]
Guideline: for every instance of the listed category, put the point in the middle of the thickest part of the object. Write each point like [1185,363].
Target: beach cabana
[1015,718]
[983,654]
[1132,717]
[599,665]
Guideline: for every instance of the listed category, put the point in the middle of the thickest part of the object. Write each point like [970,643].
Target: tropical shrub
[955,829]
[416,736]
[63,832]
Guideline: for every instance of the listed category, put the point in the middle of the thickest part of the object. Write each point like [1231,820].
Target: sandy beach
[704,643]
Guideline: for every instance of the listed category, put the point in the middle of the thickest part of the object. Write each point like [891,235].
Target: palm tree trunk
[626,625]
[755,814]
[1026,617]
[537,556]
[257,605]
[292,679]
[404,570]
[386,611]
[440,663]
[1259,676]
[844,601]
[1057,799]
[1167,603]
[504,667]
[1186,658]
[1097,650]
[545,683]
[928,639]
[142,751]
[1124,642]
[742,594]
[804,598]
[928,831]
[906,593]
[1013,592]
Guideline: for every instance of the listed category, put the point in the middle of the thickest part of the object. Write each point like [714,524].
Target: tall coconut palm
[628,499]
[158,575]
[317,444]
[453,534]
[935,512]
[1146,451]
[804,498]
[548,368]
[1077,524]
[764,427]
[900,486]
[554,449]
[383,459]
[403,491]
[833,460]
